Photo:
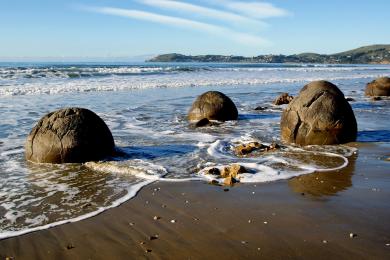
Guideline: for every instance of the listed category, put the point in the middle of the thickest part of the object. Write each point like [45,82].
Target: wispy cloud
[253,9]
[242,38]
[203,11]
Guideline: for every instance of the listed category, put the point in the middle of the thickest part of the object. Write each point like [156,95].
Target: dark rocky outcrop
[318,115]
[284,98]
[213,105]
[378,87]
[69,135]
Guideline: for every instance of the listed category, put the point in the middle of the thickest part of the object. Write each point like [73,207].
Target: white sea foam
[131,192]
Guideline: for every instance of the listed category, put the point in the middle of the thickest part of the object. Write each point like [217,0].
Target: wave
[51,88]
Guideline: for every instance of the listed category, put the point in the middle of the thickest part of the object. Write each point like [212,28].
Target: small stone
[9,258]
[259,108]
[148,250]
[131,224]
[284,98]
[173,221]
[253,192]
[244,242]
[388,244]
[226,189]
[249,221]
[376,98]
[154,237]
[196,219]
[324,241]
[352,235]
[70,246]
[163,206]
[156,217]
[187,202]
[258,249]
[214,182]
[265,222]
[142,243]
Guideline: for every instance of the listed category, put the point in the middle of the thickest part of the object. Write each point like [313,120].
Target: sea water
[145,107]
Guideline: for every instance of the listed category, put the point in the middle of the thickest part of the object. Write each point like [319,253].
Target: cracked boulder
[69,135]
[213,105]
[318,115]
[378,87]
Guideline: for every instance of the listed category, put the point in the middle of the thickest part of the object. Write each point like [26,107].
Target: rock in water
[318,115]
[378,87]
[284,98]
[213,105]
[69,135]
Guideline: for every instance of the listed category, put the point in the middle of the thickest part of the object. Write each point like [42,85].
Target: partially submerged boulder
[378,87]
[69,135]
[284,98]
[319,115]
[213,105]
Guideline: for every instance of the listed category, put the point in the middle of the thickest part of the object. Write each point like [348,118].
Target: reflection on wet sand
[324,183]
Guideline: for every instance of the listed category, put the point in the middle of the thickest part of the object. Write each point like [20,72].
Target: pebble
[324,241]
[243,242]
[70,246]
[352,235]
[163,206]
[131,224]
[187,201]
[173,221]
[142,243]
[148,250]
[253,192]
[265,222]
[225,189]
[196,219]
[258,249]
[249,221]
[388,244]
[156,217]
[154,237]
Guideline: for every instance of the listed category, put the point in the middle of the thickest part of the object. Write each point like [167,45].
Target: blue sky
[124,28]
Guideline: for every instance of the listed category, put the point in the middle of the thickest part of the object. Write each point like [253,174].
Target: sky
[135,28]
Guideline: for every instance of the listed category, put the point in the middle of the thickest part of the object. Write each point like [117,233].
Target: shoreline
[303,217]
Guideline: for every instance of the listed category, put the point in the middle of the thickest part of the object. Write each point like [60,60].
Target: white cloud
[203,11]
[253,9]
[243,38]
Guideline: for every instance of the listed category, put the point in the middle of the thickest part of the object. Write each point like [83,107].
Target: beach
[308,217]
[154,199]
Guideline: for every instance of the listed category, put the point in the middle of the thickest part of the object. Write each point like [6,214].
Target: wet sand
[308,217]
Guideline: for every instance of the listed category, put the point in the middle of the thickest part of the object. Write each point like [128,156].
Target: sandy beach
[334,215]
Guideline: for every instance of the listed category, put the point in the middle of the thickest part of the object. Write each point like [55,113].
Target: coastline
[304,217]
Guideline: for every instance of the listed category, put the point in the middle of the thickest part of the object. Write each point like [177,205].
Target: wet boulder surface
[69,135]
[319,115]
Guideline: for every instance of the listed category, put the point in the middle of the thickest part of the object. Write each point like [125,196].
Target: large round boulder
[378,87]
[213,105]
[69,135]
[318,115]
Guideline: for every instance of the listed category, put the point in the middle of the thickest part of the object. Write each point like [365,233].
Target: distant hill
[373,54]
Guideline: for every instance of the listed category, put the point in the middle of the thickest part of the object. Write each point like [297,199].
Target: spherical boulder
[213,105]
[318,115]
[378,87]
[69,135]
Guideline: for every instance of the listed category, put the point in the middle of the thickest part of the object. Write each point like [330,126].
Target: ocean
[145,107]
